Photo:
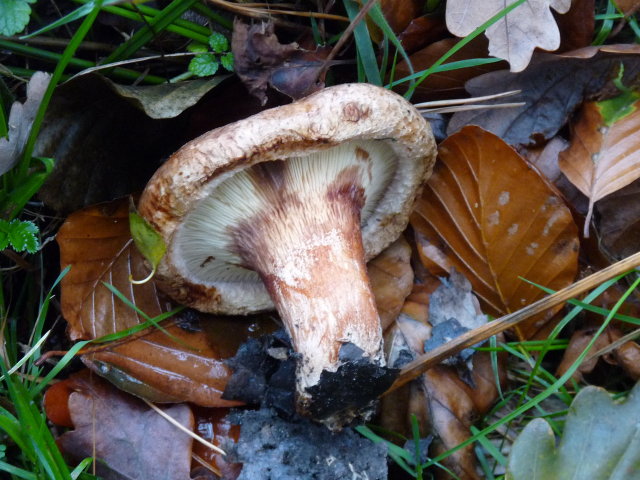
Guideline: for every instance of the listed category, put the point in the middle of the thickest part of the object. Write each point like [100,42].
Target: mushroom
[283,209]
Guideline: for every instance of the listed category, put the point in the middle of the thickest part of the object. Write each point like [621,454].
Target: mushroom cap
[330,117]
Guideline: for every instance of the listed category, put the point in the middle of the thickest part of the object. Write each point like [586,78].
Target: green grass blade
[364,45]
[547,393]
[172,12]
[478,31]
[77,14]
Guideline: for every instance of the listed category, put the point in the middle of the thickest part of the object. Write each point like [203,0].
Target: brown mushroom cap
[331,117]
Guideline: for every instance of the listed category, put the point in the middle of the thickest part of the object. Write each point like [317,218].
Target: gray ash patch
[275,449]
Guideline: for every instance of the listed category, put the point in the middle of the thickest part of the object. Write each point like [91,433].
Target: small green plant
[21,235]
[210,57]
[14,16]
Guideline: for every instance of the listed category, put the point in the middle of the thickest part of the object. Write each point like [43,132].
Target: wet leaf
[21,118]
[552,87]
[516,35]
[602,158]
[185,362]
[130,440]
[391,278]
[96,242]
[485,212]
[600,441]
[214,425]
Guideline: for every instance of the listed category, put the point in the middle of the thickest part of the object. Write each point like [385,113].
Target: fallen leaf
[600,441]
[626,356]
[442,402]
[391,278]
[131,440]
[104,146]
[487,213]
[453,310]
[262,61]
[445,85]
[214,425]
[186,361]
[577,26]
[399,13]
[97,244]
[422,31]
[517,34]
[618,221]
[551,88]
[21,118]
[167,100]
[602,157]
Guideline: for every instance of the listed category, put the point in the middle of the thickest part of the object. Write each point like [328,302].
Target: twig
[435,356]
[344,37]
[178,425]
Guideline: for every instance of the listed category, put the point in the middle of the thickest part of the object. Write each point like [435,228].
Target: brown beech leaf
[399,13]
[130,440]
[183,363]
[626,356]
[214,425]
[451,83]
[391,278]
[577,25]
[552,87]
[618,222]
[516,35]
[487,213]
[96,243]
[602,157]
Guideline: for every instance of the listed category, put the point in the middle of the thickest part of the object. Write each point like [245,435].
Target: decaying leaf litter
[487,222]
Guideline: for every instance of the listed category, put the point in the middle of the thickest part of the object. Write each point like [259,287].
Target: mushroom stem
[307,248]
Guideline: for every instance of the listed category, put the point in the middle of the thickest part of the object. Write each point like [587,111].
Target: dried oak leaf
[514,36]
[600,441]
[97,244]
[130,440]
[487,213]
[260,60]
[603,157]
[551,88]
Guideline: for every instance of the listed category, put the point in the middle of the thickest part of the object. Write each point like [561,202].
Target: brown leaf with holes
[129,438]
[186,362]
[602,158]
[487,213]
[391,278]
[95,242]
